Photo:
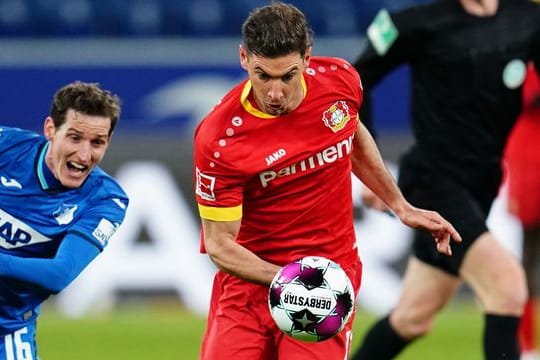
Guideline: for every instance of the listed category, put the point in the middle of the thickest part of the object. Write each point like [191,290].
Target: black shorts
[465,207]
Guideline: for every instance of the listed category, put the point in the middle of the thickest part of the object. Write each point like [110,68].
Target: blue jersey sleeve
[73,255]
[101,222]
[104,212]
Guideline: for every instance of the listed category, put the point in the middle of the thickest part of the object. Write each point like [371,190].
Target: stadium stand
[164,18]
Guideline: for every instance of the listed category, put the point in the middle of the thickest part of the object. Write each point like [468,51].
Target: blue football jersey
[37,212]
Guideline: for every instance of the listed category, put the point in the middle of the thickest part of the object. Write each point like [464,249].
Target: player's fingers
[446,227]
[447,250]
[451,231]
[443,243]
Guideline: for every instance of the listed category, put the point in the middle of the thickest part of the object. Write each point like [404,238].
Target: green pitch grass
[456,335]
[166,331]
[145,332]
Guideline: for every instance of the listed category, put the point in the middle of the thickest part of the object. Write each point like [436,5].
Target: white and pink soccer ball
[311,299]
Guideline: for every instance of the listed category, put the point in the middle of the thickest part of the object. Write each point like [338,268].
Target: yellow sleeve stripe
[220,213]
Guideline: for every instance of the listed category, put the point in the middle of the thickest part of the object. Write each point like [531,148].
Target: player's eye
[287,77]
[264,76]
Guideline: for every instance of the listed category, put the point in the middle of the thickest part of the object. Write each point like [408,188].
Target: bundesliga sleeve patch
[205,186]
[104,231]
[382,32]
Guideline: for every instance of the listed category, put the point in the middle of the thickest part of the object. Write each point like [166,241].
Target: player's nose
[275,92]
[84,152]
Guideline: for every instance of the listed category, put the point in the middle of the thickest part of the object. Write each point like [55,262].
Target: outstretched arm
[54,274]
[369,167]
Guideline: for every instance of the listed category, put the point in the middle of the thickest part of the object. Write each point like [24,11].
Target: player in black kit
[467,60]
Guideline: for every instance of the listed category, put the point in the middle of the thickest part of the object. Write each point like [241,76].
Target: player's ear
[49,128]
[243,57]
[307,57]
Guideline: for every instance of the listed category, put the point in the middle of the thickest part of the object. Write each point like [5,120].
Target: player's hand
[442,231]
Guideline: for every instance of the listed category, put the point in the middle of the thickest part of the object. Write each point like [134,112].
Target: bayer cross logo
[337,116]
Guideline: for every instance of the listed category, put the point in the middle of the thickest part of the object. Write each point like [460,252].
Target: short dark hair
[276,30]
[87,98]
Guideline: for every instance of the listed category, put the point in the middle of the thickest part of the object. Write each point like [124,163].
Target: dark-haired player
[273,164]
[58,209]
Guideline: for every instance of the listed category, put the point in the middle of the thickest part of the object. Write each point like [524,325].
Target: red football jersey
[522,155]
[287,177]
[522,142]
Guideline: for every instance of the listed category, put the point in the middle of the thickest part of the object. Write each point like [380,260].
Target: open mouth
[275,108]
[76,167]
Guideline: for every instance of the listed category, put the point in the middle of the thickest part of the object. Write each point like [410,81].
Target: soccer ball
[311,299]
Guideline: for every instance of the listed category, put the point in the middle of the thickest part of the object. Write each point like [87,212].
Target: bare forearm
[231,257]
[238,261]
[368,165]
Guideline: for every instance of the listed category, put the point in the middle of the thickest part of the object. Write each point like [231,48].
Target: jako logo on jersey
[275,156]
[15,233]
[120,204]
[10,183]
[326,156]
[64,214]
[205,186]
[337,116]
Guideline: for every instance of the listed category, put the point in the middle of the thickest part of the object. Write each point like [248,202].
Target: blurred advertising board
[165,84]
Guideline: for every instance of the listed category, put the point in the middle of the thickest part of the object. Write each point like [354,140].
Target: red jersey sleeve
[218,185]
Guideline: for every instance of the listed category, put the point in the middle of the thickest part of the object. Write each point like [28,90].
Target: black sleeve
[391,40]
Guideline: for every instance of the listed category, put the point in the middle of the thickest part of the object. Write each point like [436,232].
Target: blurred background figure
[467,72]
[522,161]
